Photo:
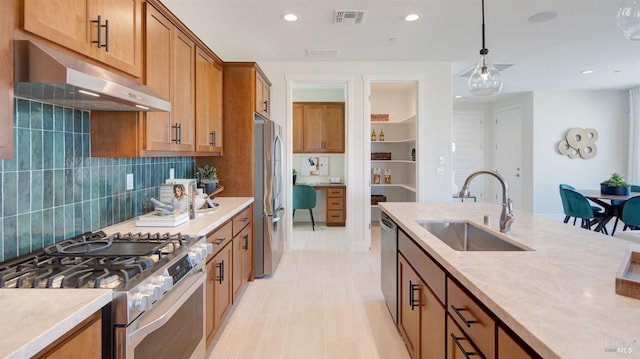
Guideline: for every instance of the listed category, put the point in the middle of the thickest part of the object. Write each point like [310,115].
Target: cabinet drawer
[241,219]
[476,323]
[335,216]
[459,345]
[336,204]
[335,192]
[427,269]
[220,237]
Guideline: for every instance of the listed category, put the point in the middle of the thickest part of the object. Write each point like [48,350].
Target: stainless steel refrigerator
[268,205]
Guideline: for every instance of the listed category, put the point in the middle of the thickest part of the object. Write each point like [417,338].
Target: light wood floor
[322,302]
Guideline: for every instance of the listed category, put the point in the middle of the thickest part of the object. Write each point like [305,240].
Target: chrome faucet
[506,216]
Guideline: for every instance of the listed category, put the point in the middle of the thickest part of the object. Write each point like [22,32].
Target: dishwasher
[389,263]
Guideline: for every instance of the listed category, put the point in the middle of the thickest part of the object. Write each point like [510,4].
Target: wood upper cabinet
[208,104]
[109,31]
[320,126]
[170,71]
[6,80]
[263,95]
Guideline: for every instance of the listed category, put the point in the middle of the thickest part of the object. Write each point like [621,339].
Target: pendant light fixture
[629,19]
[485,79]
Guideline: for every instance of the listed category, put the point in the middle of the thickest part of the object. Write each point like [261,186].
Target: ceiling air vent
[323,52]
[499,67]
[350,16]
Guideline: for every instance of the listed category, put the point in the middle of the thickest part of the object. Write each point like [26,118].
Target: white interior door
[468,154]
[508,154]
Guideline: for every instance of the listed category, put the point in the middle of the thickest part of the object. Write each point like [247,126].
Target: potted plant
[295,175]
[208,175]
[615,185]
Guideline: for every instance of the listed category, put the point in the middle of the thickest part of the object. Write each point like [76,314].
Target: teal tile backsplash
[53,189]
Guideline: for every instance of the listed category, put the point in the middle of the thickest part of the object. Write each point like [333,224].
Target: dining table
[612,204]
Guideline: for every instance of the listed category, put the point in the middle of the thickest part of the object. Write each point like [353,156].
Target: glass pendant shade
[485,79]
[629,19]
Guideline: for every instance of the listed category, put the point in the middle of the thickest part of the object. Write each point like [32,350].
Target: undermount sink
[466,236]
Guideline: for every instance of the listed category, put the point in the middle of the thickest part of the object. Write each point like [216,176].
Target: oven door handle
[150,327]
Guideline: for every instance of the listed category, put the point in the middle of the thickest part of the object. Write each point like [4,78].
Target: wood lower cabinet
[109,31]
[509,348]
[82,342]
[321,125]
[459,346]
[421,316]
[336,206]
[229,268]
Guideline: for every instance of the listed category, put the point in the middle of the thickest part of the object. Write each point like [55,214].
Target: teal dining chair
[304,197]
[578,206]
[634,188]
[631,213]
[565,206]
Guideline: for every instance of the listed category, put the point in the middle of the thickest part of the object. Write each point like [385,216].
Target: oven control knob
[153,291]
[195,257]
[141,302]
[165,282]
[208,247]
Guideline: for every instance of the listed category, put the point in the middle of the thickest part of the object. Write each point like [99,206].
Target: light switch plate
[172,173]
[129,181]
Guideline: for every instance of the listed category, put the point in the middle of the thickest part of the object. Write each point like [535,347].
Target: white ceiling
[545,56]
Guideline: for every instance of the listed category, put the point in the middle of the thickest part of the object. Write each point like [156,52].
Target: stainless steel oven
[174,328]
[389,263]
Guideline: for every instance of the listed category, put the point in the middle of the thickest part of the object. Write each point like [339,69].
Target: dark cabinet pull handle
[179,133]
[220,277]
[266,106]
[176,127]
[218,241]
[412,298]
[464,320]
[100,26]
[464,352]
[245,246]
[213,138]
[106,35]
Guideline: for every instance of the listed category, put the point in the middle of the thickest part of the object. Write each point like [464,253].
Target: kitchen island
[559,297]
[34,319]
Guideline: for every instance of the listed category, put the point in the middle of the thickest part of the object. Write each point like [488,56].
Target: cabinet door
[237,266]
[263,94]
[64,22]
[508,348]
[222,291]
[246,238]
[124,34]
[209,308]
[432,326]
[409,296]
[159,33]
[313,125]
[208,105]
[6,81]
[183,88]
[334,128]
[298,128]
[83,341]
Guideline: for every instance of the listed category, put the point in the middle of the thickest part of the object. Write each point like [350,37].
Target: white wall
[434,128]
[557,112]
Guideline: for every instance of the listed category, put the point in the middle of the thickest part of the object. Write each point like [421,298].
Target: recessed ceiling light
[290,17]
[586,72]
[543,17]
[411,17]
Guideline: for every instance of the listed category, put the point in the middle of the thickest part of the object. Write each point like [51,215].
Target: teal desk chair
[631,213]
[304,197]
[578,206]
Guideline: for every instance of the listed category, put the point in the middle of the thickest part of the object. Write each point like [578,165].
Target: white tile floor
[322,302]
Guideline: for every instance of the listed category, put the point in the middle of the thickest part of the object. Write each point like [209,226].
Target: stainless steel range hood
[50,76]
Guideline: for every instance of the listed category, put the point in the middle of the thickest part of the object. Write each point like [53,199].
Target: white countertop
[34,318]
[204,223]
[560,298]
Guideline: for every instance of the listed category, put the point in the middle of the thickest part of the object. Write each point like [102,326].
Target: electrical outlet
[129,181]
[172,173]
